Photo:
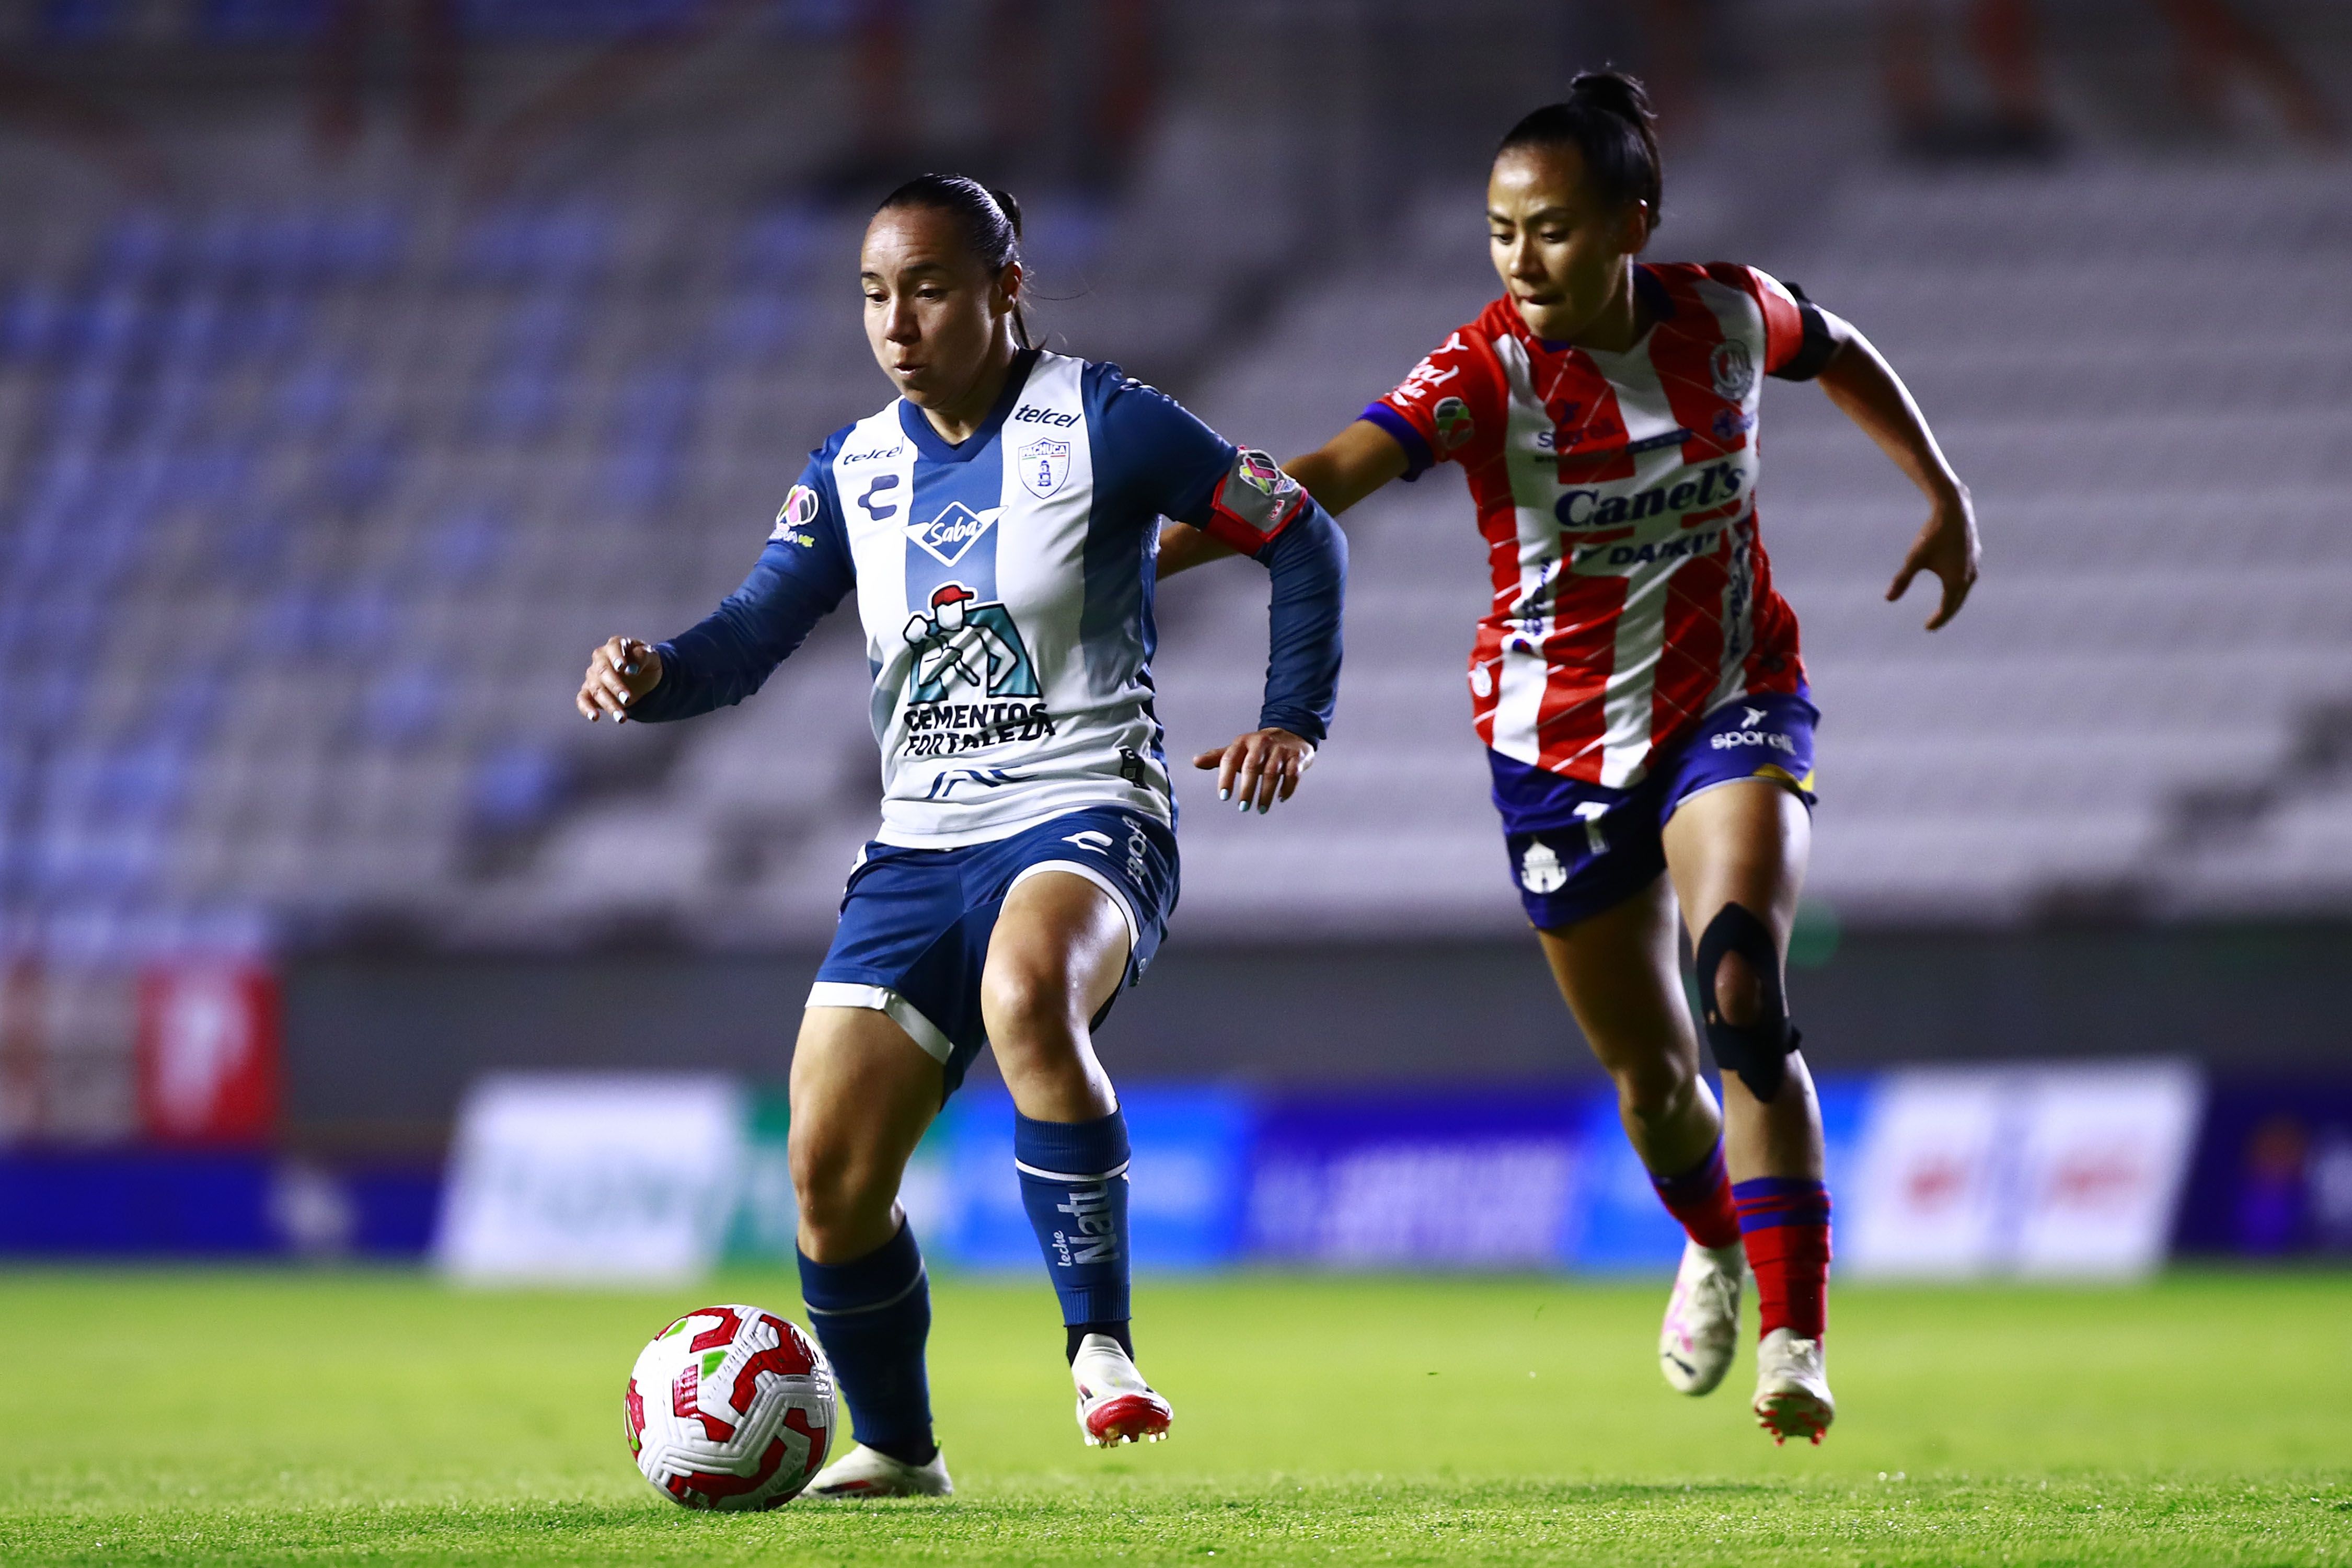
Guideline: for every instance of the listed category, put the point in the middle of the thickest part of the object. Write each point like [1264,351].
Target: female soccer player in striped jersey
[999,523]
[1637,683]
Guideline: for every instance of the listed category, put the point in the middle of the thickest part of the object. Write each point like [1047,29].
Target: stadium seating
[314,511]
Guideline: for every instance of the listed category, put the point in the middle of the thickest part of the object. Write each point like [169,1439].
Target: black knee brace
[1758,1052]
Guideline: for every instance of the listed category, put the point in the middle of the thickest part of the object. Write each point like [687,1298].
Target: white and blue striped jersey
[1004,584]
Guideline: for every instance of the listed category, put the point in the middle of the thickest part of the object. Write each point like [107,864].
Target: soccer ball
[730,1407]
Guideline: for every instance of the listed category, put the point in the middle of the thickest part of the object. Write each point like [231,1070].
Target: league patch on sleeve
[795,516]
[1454,424]
[1254,501]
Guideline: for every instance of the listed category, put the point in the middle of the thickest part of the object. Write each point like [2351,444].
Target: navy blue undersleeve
[1308,563]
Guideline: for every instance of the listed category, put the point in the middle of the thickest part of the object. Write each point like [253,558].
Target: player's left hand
[1260,768]
[1947,547]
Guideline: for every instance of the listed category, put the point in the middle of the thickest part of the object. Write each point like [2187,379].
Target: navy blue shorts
[915,924]
[1578,848]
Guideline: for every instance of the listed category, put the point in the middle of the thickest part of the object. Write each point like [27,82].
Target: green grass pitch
[255,1417]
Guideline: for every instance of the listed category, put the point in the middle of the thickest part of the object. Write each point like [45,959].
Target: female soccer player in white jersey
[1637,684]
[999,524]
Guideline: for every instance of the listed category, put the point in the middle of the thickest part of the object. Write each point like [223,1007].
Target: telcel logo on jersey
[955,530]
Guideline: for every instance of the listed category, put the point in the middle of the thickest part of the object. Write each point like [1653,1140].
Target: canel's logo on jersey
[955,530]
[1043,466]
[964,644]
[1733,370]
[1717,485]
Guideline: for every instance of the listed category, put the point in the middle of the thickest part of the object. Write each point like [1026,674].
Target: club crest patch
[1540,870]
[1044,466]
[793,518]
[1733,370]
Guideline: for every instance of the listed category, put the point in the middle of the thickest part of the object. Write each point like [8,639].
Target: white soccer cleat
[864,1472]
[1701,1332]
[1792,1388]
[1115,1405]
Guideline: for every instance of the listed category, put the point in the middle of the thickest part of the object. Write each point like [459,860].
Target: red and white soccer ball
[730,1407]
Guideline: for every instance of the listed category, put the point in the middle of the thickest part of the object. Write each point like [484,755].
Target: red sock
[1701,1199]
[1784,1223]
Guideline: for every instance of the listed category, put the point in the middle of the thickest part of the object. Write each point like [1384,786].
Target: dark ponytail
[989,219]
[1607,117]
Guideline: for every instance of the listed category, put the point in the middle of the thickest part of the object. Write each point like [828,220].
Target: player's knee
[1655,1092]
[1738,992]
[1745,1010]
[837,1186]
[1026,1005]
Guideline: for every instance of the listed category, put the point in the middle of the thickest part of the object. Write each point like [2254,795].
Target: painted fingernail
[1225,795]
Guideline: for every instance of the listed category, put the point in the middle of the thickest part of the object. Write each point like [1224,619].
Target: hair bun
[1616,91]
[1011,208]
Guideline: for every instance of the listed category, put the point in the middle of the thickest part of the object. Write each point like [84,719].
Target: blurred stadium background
[361,365]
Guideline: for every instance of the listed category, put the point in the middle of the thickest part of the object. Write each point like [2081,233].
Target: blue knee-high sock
[872,1315]
[1074,1185]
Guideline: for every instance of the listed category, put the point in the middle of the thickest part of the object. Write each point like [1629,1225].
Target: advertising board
[593,1176]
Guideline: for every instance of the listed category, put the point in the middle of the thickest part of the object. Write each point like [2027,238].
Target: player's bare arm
[1864,386]
[621,671]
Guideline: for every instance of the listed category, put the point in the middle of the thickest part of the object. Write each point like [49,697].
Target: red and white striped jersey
[1617,495]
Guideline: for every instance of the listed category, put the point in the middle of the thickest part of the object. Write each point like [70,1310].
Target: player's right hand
[1261,767]
[620,672]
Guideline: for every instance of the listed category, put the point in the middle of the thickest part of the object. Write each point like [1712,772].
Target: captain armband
[1253,504]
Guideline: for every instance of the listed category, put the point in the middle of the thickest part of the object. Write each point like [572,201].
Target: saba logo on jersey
[949,536]
[1043,466]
